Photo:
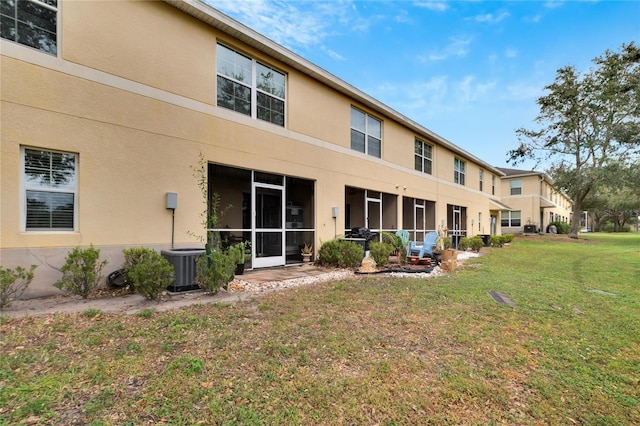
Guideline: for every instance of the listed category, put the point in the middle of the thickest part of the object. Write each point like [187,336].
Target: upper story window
[423,157]
[481,178]
[250,87]
[366,133]
[50,182]
[493,185]
[458,171]
[516,187]
[32,23]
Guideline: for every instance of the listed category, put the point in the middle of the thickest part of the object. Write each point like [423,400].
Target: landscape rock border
[238,290]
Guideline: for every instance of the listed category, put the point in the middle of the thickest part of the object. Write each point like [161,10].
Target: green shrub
[13,282]
[215,270]
[393,240]
[148,271]
[82,271]
[340,254]
[496,241]
[239,251]
[330,253]
[464,243]
[476,243]
[610,227]
[380,252]
[607,227]
[352,254]
[561,227]
[508,238]
[446,242]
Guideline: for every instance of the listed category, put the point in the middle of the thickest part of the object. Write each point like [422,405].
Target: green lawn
[373,350]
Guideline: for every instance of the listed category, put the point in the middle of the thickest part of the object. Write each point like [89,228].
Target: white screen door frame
[268,224]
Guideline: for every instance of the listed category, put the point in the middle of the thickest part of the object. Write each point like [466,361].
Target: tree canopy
[588,126]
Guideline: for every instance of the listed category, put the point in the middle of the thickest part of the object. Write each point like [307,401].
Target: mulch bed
[406,268]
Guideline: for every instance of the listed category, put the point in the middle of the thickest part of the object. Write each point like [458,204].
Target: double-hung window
[366,133]
[458,171]
[493,185]
[50,183]
[423,157]
[270,92]
[510,218]
[31,23]
[481,179]
[515,187]
[250,87]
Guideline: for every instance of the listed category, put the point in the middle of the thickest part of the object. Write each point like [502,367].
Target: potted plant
[240,251]
[307,252]
[448,252]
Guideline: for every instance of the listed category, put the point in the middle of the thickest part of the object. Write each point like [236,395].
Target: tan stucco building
[534,200]
[107,107]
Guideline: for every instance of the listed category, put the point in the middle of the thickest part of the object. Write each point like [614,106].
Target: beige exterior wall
[539,198]
[146,42]
[132,93]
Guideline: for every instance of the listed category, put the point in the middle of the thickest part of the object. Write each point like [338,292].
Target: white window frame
[515,187]
[480,179]
[510,219]
[367,132]
[459,175]
[44,5]
[252,84]
[424,159]
[25,186]
[493,185]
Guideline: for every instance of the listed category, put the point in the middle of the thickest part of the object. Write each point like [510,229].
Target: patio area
[280,273]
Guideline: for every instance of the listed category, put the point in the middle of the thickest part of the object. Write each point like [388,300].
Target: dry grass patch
[371,350]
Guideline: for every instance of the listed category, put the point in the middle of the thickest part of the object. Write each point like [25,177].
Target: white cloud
[552,4]
[438,6]
[293,24]
[490,18]
[438,96]
[402,17]
[468,90]
[524,91]
[533,19]
[458,47]
[511,53]
[333,54]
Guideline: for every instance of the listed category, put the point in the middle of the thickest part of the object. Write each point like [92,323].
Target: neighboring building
[535,202]
[107,107]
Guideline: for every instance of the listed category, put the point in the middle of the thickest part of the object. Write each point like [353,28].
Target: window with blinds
[50,182]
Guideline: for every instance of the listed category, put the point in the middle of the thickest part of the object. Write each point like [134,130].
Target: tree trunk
[575,220]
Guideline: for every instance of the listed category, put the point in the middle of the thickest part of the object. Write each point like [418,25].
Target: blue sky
[470,71]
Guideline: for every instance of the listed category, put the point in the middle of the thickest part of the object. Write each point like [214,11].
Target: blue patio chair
[425,247]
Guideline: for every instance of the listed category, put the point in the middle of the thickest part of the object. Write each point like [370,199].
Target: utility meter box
[172,200]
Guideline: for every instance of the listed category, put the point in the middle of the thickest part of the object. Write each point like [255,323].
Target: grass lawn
[372,350]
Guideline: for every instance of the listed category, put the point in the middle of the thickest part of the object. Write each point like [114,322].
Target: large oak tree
[587,123]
